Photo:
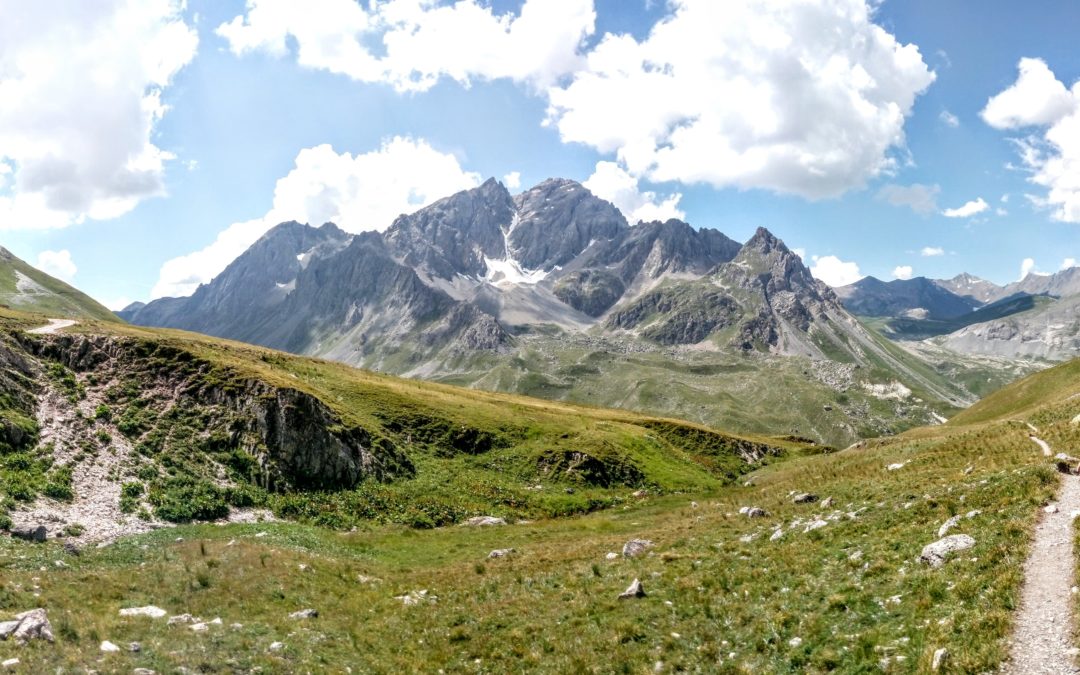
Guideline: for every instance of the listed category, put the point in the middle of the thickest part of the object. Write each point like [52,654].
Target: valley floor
[831,585]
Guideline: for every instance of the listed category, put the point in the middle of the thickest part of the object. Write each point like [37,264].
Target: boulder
[107,646]
[30,625]
[634,590]
[501,552]
[484,521]
[30,532]
[305,614]
[805,498]
[635,547]
[815,525]
[755,512]
[935,554]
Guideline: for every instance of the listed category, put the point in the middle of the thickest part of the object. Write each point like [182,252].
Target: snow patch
[509,271]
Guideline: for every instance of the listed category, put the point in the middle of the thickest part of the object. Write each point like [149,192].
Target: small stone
[639,494]
[795,641]
[755,512]
[277,646]
[941,656]
[416,598]
[71,548]
[1051,508]
[260,534]
[805,498]
[816,525]
[855,556]
[896,466]
[827,503]
[634,590]
[60,563]
[484,521]
[150,611]
[936,553]
[305,614]
[200,627]
[635,547]
[612,555]
[10,663]
[107,646]
[776,535]
[134,647]
[179,539]
[303,567]
[236,626]
[967,472]
[948,525]
[365,579]
[693,505]
[501,552]
[143,671]
[181,618]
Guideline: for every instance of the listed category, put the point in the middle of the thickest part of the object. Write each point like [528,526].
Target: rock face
[937,553]
[296,440]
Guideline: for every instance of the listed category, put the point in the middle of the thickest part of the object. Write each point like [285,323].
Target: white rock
[277,646]
[936,553]
[816,525]
[895,466]
[107,646]
[150,611]
[612,555]
[940,657]
[200,627]
[483,521]
[948,525]
[261,534]
[305,614]
[795,641]
[1051,508]
[501,553]
[10,663]
[634,590]
[416,598]
[776,535]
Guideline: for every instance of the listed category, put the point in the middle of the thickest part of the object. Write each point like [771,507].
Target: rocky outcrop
[297,441]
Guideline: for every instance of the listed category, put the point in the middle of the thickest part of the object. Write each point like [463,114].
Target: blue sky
[239,110]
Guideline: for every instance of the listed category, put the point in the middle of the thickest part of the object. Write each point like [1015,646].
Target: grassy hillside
[1053,393]
[28,289]
[722,594]
[165,403]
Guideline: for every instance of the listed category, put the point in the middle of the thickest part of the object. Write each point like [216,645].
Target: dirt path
[1042,444]
[53,326]
[1042,643]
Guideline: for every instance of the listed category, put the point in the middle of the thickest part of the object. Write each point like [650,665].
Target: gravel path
[1042,444]
[1042,643]
[53,326]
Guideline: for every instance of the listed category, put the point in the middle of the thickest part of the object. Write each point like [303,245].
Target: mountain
[1058,285]
[552,293]
[970,286]
[918,298]
[26,288]
[1048,328]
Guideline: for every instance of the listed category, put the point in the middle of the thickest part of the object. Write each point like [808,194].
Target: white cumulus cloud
[931,251]
[57,263]
[1027,266]
[1052,153]
[512,180]
[609,181]
[1068,263]
[357,193]
[81,88]
[921,199]
[902,272]
[834,271]
[969,209]
[411,44]
[801,97]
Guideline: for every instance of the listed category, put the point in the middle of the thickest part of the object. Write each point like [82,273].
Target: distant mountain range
[552,292]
